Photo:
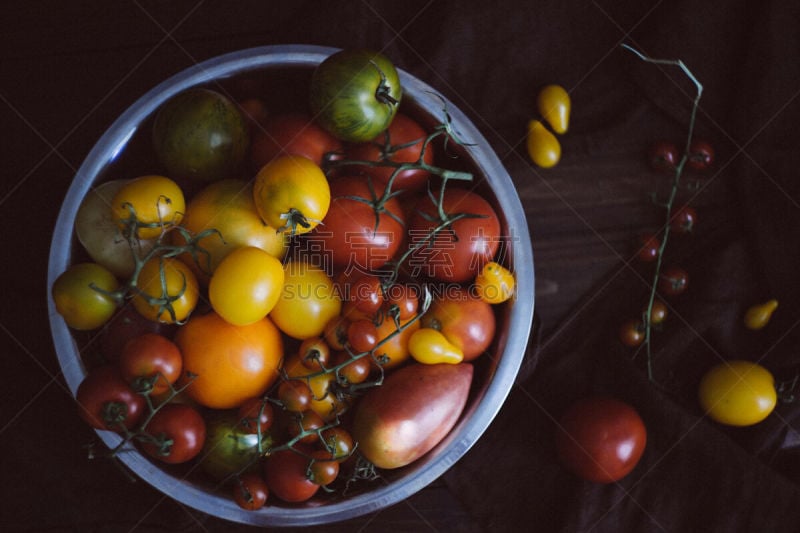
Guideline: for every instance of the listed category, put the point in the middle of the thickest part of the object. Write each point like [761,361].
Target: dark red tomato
[458,252]
[151,358]
[107,401]
[250,492]
[364,294]
[125,325]
[356,371]
[256,414]
[402,142]
[179,432]
[658,313]
[285,473]
[314,353]
[337,443]
[352,233]
[683,220]
[306,422]
[648,248]
[600,439]
[291,133]
[362,335]
[673,281]
[632,333]
[295,395]
[663,156]
[322,470]
[701,155]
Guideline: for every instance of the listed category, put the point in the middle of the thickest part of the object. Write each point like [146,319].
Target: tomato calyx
[383,93]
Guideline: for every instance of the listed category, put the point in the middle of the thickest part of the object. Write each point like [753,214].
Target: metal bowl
[495,372]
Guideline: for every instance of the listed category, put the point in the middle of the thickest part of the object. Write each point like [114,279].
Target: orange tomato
[232,363]
[396,348]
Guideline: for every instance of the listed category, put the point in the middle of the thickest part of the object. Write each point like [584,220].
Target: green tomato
[229,448]
[80,295]
[355,94]
[200,134]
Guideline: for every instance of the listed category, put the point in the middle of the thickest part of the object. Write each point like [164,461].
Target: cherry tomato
[231,363]
[600,439]
[701,155]
[200,134]
[554,105]
[314,353]
[465,320]
[364,294]
[543,147]
[156,202]
[285,473]
[737,393]
[152,358]
[295,395]
[323,401]
[107,401]
[658,313]
[684,219]
[179,433]
[758,316]
[355,94]
[307,302]
[322,470]
[335,332]
[402,142]
[256,414]
[352,233]
[250,492]
[673,281]
[78,300]
[430,347]
[356,371]
[362,335]
[292,194]
[663,156]
[403,297]
[459,252]
[632,333]
[246,285]
[392,346]
[308,422]
[495,283]
[167,290]
[649,246]
[292,133]
[338,443]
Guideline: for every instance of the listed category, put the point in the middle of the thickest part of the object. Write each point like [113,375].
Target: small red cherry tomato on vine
[632,333]
[663,156]
[683,220]
[673,281]
[250,492]
[701,155]
[658,313]
[649,247]
[256,414]
[495,283]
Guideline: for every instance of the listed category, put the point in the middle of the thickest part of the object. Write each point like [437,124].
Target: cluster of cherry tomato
[245,317]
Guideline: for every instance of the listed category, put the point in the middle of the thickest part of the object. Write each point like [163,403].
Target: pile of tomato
[291,291]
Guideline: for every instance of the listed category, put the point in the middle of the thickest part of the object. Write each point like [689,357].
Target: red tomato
[600,439]
[701,155]
[151,357]
[349,233]
[179,432]
[663,156]
[396,144]
[458,252]
[405,297]
[291,133]
[250,492]
[465,320]
[632,333]
[673,281]
[683,220]
[285,473]
[256,414]
[106,401]
[323,470]
[124,326]
[649,246]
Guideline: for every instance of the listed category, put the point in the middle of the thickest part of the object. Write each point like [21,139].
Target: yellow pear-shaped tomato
[757,316]
[543,147]
[430,346]
[554,105]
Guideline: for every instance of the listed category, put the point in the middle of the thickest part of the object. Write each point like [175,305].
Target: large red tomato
[285,473]
[178,432]
[464,319]
[355,233]
[458,252]
[291,133]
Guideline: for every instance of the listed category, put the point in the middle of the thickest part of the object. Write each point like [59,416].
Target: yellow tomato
[758,316]
[157,202]
[738,393]
[554,106]
[167,290]
[495,283]
[543,147]
[246,285]
[77,299]
[227,206]
[430,347]
[393,344]
[307,302]
[292,194]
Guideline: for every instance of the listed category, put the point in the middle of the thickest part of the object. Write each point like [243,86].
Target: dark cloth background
[66,71]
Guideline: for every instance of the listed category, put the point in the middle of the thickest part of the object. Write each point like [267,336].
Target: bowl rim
[460,439]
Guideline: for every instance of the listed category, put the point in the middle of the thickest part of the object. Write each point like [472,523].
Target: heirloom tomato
[459,251]
[230,364]
[292,194]
[307,302]
[543,147]
[107,401]
[200,134]
[151,357]
[178,432]
[166,291]
[229,448]
[156,202]
[402,142]
[738,393]
[600,439]
[554,105]
[292,133]
[355,94]
[81,296]
[464,319]
[286,474]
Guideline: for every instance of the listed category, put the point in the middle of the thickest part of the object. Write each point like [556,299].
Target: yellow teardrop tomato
[758,316]
[292,194]
[495,283]
[430,347]
[246,285]
[554,105]
[738,393]
[156,201]
[543,147]
[307,302]
[169,298]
